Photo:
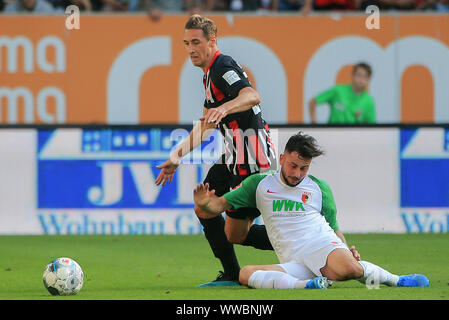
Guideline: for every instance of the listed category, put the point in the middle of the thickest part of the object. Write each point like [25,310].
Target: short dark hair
[305,145]
[199,22]
[364,66]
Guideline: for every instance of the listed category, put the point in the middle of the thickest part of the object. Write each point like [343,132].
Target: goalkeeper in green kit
[349,103]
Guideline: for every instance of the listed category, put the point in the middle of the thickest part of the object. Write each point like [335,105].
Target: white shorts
[309,262]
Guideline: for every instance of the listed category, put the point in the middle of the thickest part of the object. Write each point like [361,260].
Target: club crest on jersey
[306,197]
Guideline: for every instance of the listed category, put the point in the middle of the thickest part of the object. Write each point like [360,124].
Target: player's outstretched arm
[207,201]
[199,133]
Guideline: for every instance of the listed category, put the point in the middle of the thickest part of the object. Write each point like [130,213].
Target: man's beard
[287,182]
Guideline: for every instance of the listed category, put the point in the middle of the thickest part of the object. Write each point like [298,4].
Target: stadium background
[87,115]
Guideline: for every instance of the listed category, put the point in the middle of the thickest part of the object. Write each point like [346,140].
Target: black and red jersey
[248,147]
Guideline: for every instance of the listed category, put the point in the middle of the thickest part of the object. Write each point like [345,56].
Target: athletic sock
[258,238]
[222,249]
[373,275]
[262,279]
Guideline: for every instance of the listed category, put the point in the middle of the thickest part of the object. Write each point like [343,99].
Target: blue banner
[112,168]
[424,168]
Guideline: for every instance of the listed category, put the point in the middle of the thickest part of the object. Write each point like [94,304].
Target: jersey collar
[217,53]
[279,178]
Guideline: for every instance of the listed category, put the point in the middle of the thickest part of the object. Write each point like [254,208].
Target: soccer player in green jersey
[299,213]
[349,103]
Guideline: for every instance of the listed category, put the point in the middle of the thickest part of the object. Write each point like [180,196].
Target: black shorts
[222,181]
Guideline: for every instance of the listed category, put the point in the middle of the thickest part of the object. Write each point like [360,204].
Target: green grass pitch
[171,267]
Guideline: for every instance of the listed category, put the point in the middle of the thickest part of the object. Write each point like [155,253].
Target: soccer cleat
[413,280]
[223,280]
[317,283]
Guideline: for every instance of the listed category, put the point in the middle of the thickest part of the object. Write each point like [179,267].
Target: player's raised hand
[202,195]
[355,253]
[168,169]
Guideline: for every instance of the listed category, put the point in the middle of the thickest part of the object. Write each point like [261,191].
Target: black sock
[222,249]
[258,238]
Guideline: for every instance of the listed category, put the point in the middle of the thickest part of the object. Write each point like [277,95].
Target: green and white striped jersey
[295,217]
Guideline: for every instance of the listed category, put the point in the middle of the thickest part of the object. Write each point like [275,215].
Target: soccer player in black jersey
[232,105]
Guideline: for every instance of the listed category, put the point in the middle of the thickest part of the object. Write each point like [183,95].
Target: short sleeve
[328,207]
[230,78]
[245,195]
[325,96]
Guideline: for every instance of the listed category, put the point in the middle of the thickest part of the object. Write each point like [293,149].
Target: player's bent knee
[355,271]
[235,238]
[341,266]
[236,230]
[350,271]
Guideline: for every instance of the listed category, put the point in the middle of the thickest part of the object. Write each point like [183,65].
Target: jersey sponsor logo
[306,197]
[231,77]
[287,206]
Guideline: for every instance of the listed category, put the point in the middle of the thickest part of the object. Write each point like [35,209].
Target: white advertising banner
[101,181]
[361,167]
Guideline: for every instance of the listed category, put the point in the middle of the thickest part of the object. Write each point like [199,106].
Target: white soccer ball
[63,277]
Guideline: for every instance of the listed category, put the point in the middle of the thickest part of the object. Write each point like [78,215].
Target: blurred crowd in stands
[157,8]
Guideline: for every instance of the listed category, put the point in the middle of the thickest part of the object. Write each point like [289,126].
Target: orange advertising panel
[128,69]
